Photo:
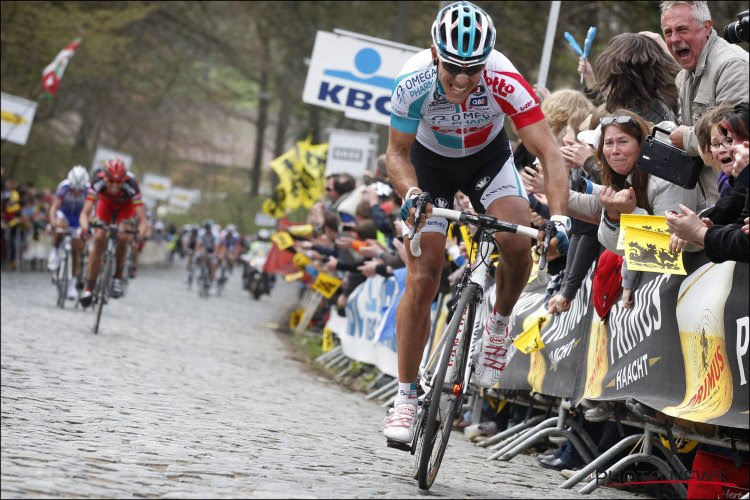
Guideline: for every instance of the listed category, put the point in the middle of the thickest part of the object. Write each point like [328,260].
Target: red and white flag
[53,73]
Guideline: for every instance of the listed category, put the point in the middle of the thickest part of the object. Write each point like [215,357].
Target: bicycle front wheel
[62,280]
[443,403]
[102,290]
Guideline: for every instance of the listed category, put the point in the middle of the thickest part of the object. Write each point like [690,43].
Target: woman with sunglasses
[624,189]
[448,109]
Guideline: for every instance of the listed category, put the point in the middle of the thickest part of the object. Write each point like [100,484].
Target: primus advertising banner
[682,348]
[555,369]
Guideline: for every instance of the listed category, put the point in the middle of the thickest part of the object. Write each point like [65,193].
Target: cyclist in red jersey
[116,194]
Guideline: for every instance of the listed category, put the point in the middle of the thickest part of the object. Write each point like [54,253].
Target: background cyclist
[115,191]
[64,213]
[446,135]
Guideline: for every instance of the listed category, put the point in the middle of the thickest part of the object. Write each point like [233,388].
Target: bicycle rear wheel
[443,403]
[103,286]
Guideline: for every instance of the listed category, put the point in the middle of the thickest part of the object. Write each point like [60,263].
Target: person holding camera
[713,72]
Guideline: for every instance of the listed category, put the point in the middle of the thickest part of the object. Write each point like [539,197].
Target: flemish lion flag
[54,71]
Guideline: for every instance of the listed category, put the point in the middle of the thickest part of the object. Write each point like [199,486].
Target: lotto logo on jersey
[500,87]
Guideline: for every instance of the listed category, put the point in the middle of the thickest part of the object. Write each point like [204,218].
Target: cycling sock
[499,319]
[407,393]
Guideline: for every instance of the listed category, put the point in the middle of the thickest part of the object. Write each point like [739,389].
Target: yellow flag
[531,339]
[656,223]
[649,251]
[327,341]
[293,276]
[300,260]
[282,239]
[326,285]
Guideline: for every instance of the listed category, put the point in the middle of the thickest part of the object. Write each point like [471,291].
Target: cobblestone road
[179,396]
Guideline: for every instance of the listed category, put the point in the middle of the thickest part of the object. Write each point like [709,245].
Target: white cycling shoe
[72,290]
[493,354]
[400,423]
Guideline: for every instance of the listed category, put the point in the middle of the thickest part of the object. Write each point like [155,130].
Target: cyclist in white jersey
[446,135]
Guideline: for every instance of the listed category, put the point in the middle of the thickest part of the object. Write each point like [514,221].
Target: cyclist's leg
[505,198]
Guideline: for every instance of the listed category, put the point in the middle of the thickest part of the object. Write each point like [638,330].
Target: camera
[660,158]
[738,31]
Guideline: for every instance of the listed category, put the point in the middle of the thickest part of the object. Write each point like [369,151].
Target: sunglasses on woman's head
[455,69]
[620,119]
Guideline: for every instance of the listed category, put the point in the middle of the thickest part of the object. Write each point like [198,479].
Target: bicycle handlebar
[486,221]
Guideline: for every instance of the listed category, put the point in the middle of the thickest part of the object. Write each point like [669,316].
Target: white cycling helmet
[78,177]
[463,34]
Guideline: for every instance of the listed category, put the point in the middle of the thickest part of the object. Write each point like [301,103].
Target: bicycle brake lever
[549,228]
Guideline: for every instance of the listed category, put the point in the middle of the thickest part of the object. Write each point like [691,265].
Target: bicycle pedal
[398,445]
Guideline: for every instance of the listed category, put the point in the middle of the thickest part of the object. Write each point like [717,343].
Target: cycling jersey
[419,106]
[122,203]
[209,240]
[71,202]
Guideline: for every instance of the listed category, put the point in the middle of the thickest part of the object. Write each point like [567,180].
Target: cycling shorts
[485,176]
[105,210]
[72,218]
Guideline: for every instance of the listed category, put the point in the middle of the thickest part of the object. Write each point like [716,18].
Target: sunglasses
[455,69]
[619,119]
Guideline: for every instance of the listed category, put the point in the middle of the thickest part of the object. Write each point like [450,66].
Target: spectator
[713,72]
[634,73]
[721,242]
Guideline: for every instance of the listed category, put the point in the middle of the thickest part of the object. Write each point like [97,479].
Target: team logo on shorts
[482,182]
[441,203]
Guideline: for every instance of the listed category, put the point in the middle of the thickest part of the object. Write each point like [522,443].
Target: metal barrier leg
[538,436]
[510,431]
[382,390]
[476,408]
[601,460]
[328,355]
[550,422]
[375,382]
[631,459]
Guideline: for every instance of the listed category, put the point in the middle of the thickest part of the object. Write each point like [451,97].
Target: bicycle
[103,286]
[446,375]
[204,276]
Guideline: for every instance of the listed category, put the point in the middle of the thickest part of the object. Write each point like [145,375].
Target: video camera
[738,31]
[660,158]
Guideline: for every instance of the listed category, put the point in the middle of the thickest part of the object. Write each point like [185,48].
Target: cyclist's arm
[401,172]
[539,140]
[83,219]
[143,226]
[54,207]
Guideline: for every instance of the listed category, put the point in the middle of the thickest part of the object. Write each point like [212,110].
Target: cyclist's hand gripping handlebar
[420,204]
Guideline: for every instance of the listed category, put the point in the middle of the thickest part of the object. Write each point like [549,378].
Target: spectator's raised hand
[330,266]
[741,157]
[400,249]
[746,227]
[687,225]
[585,69]
[617,202]
[368,268]
[541,92]
[344,241]
[533,180]
[536,219]
[371,249]
[575,155]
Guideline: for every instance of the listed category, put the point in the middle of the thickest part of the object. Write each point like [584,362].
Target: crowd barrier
[682,349]
[34,252]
